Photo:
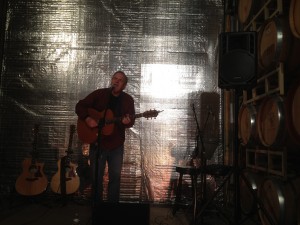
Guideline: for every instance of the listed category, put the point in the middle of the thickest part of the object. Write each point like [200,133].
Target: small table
[216,170]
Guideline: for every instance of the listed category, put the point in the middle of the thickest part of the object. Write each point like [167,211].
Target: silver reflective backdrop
[58,51]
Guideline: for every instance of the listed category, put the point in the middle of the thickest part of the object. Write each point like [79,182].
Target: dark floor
[20,210]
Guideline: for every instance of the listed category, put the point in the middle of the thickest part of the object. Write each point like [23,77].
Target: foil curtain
[58,51]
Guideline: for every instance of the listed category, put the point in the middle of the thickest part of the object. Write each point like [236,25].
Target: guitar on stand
[66,181]
[32,180]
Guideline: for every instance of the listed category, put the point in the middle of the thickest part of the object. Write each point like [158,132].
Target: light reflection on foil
[56,52]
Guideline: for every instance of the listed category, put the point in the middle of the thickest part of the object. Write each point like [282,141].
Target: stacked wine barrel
[272,122]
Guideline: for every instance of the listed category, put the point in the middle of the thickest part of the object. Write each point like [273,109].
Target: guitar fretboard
[118,119]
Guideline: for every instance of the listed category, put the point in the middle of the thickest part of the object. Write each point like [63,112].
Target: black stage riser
[121,213]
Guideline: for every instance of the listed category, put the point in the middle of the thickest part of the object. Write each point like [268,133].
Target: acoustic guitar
[32,181]
[66,180]
[89,135]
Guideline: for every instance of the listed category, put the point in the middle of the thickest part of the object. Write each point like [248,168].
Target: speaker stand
[236,173]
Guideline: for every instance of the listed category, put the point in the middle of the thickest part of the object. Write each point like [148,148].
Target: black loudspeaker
[237,60]
[121,213]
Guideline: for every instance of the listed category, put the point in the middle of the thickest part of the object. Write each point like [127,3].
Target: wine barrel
[277,44]
[294,17]
[273,43]
[247,9]
[249,186]
[271,121]
[247,131]
[279,199]
[293,112]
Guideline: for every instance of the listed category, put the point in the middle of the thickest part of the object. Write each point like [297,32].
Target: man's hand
[126,119]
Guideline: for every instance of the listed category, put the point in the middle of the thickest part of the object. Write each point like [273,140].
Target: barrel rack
[268,10]
[270,160]
[268,84]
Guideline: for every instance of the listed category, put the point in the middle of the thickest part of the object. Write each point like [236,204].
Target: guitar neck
[118,119]
[139,115]
[34,153]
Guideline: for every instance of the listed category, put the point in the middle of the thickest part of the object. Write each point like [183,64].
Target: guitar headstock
[151,113]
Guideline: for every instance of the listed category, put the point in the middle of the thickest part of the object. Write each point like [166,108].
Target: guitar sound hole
[33,169]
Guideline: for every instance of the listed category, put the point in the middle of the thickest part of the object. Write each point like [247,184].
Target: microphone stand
[101,124]
[95,198]
[203,160]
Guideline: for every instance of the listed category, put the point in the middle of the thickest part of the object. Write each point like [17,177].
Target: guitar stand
[64,197]
[236,173]
[63,180]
